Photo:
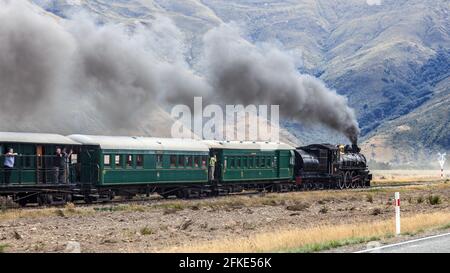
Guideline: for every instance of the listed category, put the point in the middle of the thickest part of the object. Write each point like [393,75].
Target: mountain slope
[423,132]
[390,60]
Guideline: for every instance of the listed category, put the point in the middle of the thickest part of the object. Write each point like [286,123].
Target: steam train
[102,167]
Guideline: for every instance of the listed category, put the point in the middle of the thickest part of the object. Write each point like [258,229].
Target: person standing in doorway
[58,166]
[67,161]
[8,164]
[212,166]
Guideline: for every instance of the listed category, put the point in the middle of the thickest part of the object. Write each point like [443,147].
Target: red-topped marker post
[397,213]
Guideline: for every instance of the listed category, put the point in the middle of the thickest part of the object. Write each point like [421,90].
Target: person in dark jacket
[58,166]
[67,161]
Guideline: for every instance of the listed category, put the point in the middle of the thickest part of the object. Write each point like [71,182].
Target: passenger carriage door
[219,169]
[2,158]
[276,163]
[40,172]
[89,165]
[28,164]
[16,174]
[74,165]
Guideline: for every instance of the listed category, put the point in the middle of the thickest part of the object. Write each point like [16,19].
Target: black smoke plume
[84,77]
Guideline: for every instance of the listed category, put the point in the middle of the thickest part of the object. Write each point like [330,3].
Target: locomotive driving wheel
[353,184]
[348,180]
[360,183]
[341,182]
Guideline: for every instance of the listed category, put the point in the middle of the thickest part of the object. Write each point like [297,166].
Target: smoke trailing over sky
[240,72]
[59,70]
[49,66]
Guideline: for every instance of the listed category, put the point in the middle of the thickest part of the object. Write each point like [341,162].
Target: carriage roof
[247,145]
[37,138]
[141,143]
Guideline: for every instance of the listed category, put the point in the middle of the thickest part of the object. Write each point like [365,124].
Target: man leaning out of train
[8,164]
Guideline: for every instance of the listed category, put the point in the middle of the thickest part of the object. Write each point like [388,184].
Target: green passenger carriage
[113,164]
[249,162]
[33,178]
[34,160]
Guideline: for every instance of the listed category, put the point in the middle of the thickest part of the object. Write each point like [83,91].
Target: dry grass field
[407,176]
[320,237]
[276,222]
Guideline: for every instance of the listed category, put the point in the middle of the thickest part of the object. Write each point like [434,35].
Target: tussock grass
[3,248]
[70,207]
[175,205]
[434,200]
[67,211]
[147,231]
[318,238]
[130,208]
[12,214]
[333,244]
[376,211]
[420,200]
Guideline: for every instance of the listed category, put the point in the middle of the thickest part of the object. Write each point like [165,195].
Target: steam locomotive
[331,166]
[102,167]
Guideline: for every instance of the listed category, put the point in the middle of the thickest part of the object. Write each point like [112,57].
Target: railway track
[158,199]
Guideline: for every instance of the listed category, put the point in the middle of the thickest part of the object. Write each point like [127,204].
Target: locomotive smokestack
[352,133]
[355,148]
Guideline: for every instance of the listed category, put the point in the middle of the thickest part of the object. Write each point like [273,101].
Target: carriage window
[159,161]
[244,162]
[74,159]
[197,161]
[139,161]
[107,160]
[27,162]
[180,161]
[263,162]
[257,162]
[189,161]
[117,161]
[231,160]
[268,162]
[274,162]
[129,161]
[204,160]
[250,162]
[173,161]
[238,162]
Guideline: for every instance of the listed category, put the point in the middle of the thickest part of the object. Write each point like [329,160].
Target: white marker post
[397,213]
[441,160]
